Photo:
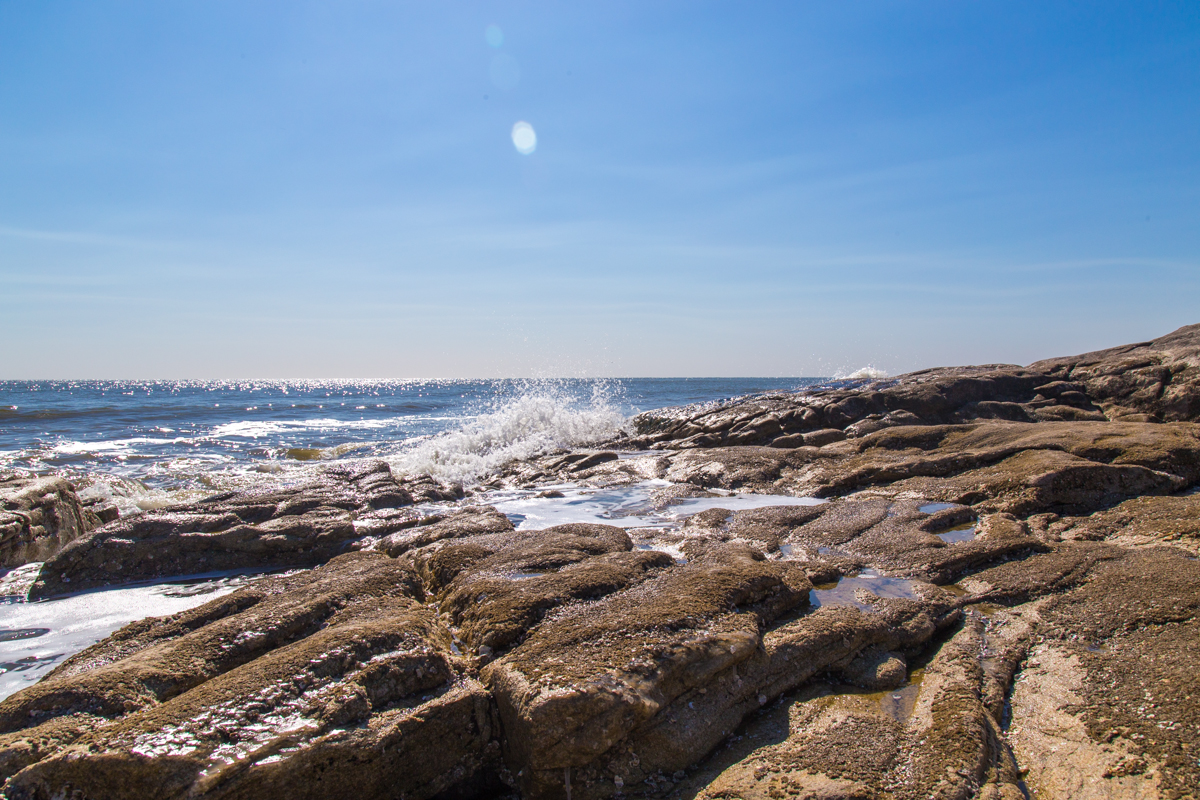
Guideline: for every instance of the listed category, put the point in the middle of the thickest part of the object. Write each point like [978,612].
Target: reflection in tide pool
[36,637]
[963,533]
[846,592]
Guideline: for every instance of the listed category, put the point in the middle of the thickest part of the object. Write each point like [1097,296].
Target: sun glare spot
[494,36]
[524,138]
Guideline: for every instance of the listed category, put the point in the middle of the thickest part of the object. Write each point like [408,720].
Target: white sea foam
[865,373]
[252,430]
[112,445]
[539,421]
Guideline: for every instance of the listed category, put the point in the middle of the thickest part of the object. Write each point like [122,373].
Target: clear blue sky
[288,189]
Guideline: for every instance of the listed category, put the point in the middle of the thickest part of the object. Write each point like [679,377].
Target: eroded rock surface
[998,601]
[297,526]
[331,683]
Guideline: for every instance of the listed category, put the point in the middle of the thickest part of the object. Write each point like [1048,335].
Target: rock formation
[1000,599]
[40,516]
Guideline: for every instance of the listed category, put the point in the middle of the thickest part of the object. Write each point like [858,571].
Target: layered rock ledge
[999,599]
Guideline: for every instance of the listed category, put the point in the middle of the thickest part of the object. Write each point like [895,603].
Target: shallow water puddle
[624,506]
[962,533]
[846,592]
[933,508]
[520,576]
[895,703]
[35,637]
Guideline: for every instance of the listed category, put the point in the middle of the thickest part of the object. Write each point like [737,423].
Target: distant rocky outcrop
[1156,381]
[1000,599]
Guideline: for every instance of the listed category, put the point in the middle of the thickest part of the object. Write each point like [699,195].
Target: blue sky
[259,189]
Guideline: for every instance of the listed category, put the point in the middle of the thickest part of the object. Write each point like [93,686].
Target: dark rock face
[1000,599]
[40,516]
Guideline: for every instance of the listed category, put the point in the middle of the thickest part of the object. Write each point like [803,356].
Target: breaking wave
[540,420]
[865,373]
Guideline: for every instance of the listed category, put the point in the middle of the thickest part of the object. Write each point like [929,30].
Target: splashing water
[145,444]
[865,373]
[540,420]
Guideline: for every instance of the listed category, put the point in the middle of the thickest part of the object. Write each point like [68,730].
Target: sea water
[180,437]
[144,444]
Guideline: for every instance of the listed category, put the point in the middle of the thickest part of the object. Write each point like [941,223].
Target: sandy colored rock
[1156,381]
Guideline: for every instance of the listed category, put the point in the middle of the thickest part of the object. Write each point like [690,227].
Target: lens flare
[524,138]
[494,36]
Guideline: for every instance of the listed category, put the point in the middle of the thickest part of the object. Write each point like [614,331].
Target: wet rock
[516,552]
[762,527]
[1019,468]
[789,441]
[758,468]
[590,468]
[39,517]
[823,437]
[577,462]
[333,683]
[876,669]
[496,611]
[495,587]
[298,526]
[879,533]
[669,495]
[841,749]
[155,659]
[623,705]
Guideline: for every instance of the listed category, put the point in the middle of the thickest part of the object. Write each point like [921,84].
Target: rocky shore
[1000,599]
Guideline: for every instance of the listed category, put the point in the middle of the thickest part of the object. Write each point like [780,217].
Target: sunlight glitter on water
[70,624]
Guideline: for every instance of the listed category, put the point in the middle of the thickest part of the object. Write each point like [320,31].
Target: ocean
[152,442]
[147,444]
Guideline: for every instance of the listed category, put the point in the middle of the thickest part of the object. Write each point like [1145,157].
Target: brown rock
[298,526]
[39,517]
[333,683]
[590,676]
[1140,521]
